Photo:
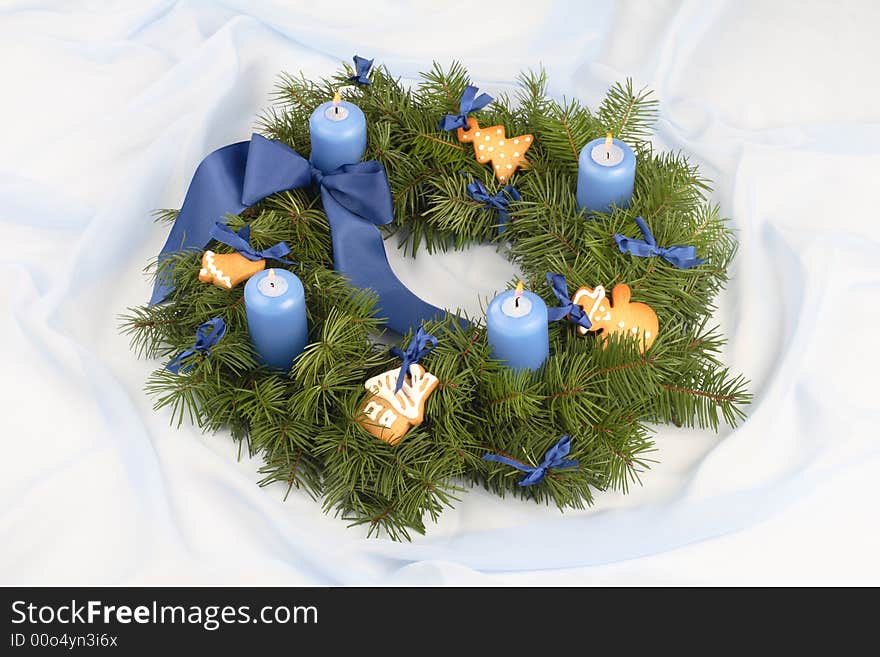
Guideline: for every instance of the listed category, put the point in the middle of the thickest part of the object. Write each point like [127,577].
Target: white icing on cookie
[598,296]
[215,271]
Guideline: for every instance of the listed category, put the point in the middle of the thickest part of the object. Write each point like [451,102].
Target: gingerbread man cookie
[491,145]
[619,315]
[388,415]
[227,270]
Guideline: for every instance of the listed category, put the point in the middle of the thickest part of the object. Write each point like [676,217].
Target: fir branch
[166,216]
[628,114]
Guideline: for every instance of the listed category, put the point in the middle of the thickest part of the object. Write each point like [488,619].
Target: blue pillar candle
[339,134]
[606,174]
[275,304]
[517,329]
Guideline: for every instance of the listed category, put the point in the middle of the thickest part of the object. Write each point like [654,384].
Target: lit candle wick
[518,293]
[271,277]
[337,98]
[608,142]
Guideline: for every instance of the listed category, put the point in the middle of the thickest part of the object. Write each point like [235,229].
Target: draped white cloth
[109,106]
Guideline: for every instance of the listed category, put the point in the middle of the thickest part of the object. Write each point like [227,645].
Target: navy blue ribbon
[469,102]
[356,199]
[553,458]
[498,201]
[567,308]
[207,335]
[683,257]
[362,67]
[419,347]
[241,242]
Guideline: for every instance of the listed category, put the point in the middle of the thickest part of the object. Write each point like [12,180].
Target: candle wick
[608,155]
[516,301]
[336,109]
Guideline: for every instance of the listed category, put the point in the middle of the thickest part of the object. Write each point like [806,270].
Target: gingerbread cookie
[491,145]
[618,315]
[389,415]
[227,270]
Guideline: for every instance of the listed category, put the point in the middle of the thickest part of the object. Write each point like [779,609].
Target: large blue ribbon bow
[683,257]
[241,242]
[362,67]
[553,458]
[498,201]
[469,102]
[567,308]
[207,335]
[419,347]
[356,199]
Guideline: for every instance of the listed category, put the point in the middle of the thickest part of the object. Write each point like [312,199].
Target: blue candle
[606,174]
[339,134]
[517,329]
[275,304]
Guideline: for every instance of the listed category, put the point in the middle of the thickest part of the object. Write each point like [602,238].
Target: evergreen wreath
[304,424]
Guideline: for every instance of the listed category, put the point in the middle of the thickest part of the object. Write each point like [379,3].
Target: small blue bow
[683,257]
[207,335]
[573,311]
[240,241]
[470,102]
[419,347]
[498,201]
[362,67]
[553,458]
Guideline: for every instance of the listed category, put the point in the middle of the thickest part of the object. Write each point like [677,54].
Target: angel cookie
[617,315]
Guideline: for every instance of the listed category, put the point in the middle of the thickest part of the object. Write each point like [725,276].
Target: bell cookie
[227,270]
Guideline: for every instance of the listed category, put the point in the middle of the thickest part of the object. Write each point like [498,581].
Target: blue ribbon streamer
[362,67]
[356,199]
[419,347]
[498,201]
[469,102]
[207,335]
[567,308]
[682,257]
[240,241]
[553,458]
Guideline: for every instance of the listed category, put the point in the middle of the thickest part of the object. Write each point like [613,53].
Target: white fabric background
[106,109]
